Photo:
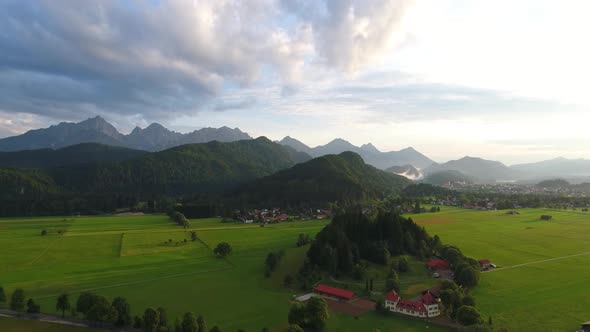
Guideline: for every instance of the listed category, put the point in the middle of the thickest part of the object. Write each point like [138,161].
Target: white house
[427,306]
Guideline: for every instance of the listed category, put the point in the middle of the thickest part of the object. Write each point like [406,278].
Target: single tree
[177,325]
[288,281]
[163,317]
[294,328]
[151,320]
[317,312]
[215,329]
[63,304]
[2,295]
[123,311]
[402,264]
[222,249]
[17,301]
[467,315]
[43,232]
[490,320]
[193,235]
[85,301]
[137,322]
[189,323]
[201,324]
[102,311]
[32,307]
[371,285]
[392,283]
[265,329]
[296,314]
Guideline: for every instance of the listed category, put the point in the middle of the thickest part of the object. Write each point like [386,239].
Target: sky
[502,80]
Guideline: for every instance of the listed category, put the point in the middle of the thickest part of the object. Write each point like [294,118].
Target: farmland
[541,280]
[146,260]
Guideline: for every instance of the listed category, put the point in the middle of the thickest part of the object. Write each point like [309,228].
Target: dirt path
[42,318]
[538,262]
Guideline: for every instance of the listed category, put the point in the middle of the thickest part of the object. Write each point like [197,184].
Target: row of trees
[103,312]
[179,219]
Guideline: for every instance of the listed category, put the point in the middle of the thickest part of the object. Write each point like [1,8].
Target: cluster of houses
[440,266]
[275,215]
[426,306]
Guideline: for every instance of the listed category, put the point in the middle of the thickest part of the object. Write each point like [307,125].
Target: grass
[131,256]
[549,292]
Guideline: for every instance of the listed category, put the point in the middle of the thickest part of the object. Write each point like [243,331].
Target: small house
[485,264]
[585,327]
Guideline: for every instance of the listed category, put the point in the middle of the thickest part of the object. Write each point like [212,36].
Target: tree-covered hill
[194,168]
[72,155]
[344,177]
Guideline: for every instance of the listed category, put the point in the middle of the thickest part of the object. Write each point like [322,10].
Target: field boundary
[539,262]
[121,245]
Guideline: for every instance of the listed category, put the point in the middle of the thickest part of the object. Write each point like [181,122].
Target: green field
[133,257]
[550,291]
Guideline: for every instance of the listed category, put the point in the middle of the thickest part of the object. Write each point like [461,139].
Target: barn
[335,293]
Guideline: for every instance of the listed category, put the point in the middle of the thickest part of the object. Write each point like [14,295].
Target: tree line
[101,312]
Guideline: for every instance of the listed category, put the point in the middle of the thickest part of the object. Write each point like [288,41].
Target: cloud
[349,34]
[71,59]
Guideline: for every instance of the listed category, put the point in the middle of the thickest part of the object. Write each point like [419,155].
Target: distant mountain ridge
[478,169]
[558,167]
[370,154]
[155,137]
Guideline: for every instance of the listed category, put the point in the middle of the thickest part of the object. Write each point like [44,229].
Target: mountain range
[370,154]
[407,162]
[97,130]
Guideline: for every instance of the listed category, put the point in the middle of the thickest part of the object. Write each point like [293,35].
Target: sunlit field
[541,283]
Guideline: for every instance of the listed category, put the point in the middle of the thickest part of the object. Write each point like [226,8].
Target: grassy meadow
[146,260]
[541,283]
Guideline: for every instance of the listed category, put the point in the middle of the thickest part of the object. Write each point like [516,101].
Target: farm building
[431,302]
[437,264]
[485,264]
[335,293]
[426,307]
[584,327]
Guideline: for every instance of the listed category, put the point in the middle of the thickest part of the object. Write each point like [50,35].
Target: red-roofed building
[485,263]
[438,264]
[431,303]
[282,217]
[427,306]
[333,292]
[411,308]
[391,299]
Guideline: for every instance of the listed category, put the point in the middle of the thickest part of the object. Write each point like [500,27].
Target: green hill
[71,155]
[344,177]
[194,168]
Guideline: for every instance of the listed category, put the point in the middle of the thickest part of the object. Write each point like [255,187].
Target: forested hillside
[344,177]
